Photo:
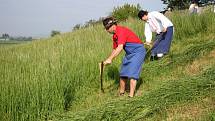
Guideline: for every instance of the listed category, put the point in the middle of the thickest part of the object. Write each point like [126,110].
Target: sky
[37,18]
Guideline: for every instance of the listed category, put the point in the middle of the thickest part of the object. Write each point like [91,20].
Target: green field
[58,78]
[11,42]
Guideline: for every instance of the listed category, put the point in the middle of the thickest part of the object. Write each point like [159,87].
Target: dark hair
[142,13]
[195,1]
[108,22]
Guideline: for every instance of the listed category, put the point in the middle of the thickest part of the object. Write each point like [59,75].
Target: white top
[156,23]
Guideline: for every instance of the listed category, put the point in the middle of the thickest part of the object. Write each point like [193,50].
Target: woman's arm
[114,53]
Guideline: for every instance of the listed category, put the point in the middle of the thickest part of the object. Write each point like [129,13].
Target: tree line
[183,4]
[6,36]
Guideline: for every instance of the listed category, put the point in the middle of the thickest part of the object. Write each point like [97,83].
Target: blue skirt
[163,42]
[132,63]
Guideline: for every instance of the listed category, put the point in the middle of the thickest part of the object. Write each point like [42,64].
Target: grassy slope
[40,80]
[171,90]
[180,87]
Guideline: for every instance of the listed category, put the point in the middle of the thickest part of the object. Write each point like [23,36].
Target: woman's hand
[164,30]
[147,43]
[114,53]
[108,61]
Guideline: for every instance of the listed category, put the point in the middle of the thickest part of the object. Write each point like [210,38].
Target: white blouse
[156,23]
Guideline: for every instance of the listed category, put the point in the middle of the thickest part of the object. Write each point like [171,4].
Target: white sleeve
[148,33]
[163,19]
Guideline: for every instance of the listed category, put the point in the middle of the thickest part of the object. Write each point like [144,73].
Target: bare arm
[114,54]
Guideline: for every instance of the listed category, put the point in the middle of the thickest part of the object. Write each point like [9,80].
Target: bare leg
[133,83]
[122,85]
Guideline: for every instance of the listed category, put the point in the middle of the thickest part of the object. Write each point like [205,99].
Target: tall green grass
[42,79]
[187,25]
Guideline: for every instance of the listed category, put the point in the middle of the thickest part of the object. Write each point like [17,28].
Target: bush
[54,32]
[125,11]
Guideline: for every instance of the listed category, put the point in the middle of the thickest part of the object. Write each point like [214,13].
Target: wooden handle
[101,67]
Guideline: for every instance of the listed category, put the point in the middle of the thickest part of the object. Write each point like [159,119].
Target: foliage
[21,38]
[5,36]
[183,4]
[89,23]
[76,27]
[54,33]
[125,11]
[177,4]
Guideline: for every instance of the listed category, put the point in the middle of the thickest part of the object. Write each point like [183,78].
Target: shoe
[130,96]
[121,94]
[160,55]
[153,58]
